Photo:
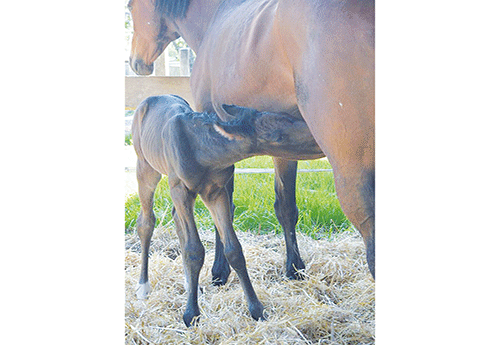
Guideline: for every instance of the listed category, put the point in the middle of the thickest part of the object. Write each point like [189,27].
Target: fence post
[160,65]
[184,52]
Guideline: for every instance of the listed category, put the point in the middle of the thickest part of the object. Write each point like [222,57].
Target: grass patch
[128,139]
[320,214]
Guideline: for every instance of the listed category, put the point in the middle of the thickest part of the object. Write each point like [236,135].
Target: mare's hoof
[295,271]
[142,290]
[257,311]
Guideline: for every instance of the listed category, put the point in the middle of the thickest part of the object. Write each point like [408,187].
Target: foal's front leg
[218,202]
[193,253]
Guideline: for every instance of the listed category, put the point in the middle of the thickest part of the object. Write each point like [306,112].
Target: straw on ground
[335,304]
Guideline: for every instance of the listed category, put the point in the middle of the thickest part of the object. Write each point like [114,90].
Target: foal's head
[275,134]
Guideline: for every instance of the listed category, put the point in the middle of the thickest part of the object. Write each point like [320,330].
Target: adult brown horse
[308,58]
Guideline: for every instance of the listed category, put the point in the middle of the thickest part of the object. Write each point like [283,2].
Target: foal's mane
[173,8]
[243,124]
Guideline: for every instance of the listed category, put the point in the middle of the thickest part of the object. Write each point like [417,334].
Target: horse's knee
[234,255]
[145,225]
[194,254]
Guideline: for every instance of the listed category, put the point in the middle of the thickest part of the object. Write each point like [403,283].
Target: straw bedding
[335,304]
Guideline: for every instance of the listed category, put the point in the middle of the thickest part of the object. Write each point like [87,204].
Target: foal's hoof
[295,271]
[142,290]
[257,311]
[191,318]
[220,274]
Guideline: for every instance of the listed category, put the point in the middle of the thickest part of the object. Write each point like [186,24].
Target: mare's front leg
[147,179]
[217,201]
[287,213]
[221,268]
[193,253]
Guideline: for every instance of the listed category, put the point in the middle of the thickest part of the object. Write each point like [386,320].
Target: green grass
[319,210]
[128,139]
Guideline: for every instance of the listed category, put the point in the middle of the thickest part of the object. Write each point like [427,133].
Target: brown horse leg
[356,192]
[147,179]
[193,253]
[287,213]
[346,136]
[221,268]
[218,202]
[333,61]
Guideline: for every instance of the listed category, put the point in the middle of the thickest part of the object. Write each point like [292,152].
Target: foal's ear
[219,128]
[232,110]
[237,111]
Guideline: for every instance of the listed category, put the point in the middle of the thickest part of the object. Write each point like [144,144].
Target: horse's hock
[138,88]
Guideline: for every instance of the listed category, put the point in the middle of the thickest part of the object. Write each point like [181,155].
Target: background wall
[139,88]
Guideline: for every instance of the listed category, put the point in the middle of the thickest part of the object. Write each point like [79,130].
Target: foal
[197,151]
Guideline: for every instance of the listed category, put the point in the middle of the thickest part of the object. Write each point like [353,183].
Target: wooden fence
[138,88]
[168,78]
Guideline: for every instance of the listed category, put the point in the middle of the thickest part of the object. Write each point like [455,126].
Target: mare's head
[154,29]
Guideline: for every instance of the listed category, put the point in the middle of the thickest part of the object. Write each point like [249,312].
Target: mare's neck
[193,27]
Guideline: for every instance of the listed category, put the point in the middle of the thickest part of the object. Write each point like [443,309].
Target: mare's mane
[173,8]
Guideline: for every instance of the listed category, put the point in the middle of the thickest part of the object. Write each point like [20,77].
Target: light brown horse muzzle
[140,67]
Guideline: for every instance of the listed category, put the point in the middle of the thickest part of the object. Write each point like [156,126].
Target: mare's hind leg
[334,77]
[221,268]
[217,201]
[147,179]
[339,108]
[286,210]
[193,253]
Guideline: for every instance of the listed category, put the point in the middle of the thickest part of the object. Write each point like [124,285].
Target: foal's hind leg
[193,253]
[287,213]
[147,179]
[217,201]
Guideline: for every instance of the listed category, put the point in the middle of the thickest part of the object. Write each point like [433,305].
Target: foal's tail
[137,127]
